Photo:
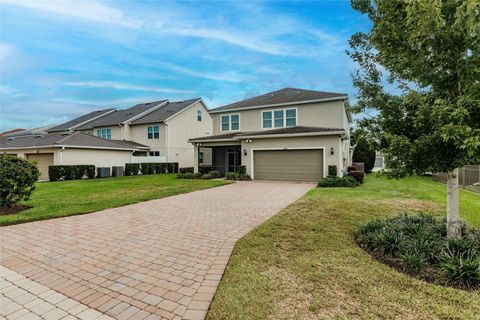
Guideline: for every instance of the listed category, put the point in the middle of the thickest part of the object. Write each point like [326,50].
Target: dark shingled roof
[165,112]
[78,139]
[282,96]
[119,116]
[133,144]
[76,121]
[242,135]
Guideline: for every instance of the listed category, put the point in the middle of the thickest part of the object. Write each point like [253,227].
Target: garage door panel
[297,165]
[44,160]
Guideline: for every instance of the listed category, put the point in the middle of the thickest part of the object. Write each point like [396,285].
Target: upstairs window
[290,117]
[267,119]
[279,118]
[104,133]
[153,132]
[199,115]
[154,153]
[230,122]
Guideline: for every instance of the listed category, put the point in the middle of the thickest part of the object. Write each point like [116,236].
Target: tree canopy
[431,50]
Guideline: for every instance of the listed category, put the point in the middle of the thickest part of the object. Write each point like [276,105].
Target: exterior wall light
[331,151]
[245,152]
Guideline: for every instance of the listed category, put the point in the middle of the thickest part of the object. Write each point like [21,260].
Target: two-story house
[159,129]
[289,134]
[148,132]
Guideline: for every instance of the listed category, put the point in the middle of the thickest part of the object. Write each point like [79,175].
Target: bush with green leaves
[189,175]
[334,182]
[332,171]
[237,176]
[70,172]
[186,169]
[17,180]
[417,244]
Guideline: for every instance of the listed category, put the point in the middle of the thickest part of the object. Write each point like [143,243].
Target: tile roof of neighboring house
[280,131]
[58,139]
[280,97]
[69,124]
[165,112]
[11,131]
[30,132]
[120,116]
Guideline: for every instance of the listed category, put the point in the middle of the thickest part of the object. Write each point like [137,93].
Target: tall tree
[431,50]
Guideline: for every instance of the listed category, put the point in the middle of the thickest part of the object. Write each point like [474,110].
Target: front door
[233,160]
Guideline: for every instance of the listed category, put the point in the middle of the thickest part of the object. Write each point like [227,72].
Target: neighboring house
[148,132]
[163,127]
[379,162]
[289,134]
[11,131]
[64,148]
[27,132]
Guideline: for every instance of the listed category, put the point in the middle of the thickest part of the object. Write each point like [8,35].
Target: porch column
[195,157]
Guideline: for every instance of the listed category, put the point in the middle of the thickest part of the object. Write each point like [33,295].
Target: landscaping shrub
[70,172]
[17,180]
[242,170]
[55,173]
[131,169]
[332,171]
[334,181]
[237,176]
[188,175]
[357,175]
[418,245]
[186,169]
[90,171]
[144,168]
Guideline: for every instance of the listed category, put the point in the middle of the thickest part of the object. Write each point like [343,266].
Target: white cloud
[231,76]
[257,37]
[124,86]
[9,92]
[6,51]
[89,10]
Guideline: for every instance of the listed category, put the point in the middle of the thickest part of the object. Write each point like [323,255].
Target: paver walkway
[160,259]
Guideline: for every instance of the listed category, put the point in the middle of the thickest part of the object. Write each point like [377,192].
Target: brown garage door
[44,160]
[295,165]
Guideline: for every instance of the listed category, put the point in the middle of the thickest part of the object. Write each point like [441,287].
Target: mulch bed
[13,209]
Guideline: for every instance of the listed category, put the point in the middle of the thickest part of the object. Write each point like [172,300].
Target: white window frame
[106,135]
[230,122]
[272,111]
[153,132]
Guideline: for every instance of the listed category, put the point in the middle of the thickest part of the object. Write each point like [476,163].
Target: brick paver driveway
[153,260]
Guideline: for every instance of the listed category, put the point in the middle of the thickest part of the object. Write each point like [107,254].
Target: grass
[303,263]
[66,198]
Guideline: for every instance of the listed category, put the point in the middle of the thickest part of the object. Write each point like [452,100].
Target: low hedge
[70,172]
[237,176]
[185,170]
[417,245]
[357,175]
[150,168]
[189,175]
[334,182]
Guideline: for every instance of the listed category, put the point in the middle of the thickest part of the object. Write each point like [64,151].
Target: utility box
[117,171]
[103,172]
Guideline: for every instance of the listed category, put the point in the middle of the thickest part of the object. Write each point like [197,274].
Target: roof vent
[10,139]
[38,136]
[293,92]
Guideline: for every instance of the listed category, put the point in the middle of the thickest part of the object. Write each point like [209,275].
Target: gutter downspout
[166,142]
[60,155]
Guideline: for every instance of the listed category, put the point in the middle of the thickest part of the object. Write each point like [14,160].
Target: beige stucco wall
[139,134]
[326,142]
[324,114]
[184,126]
[21,153]
[97,157]
[116,131]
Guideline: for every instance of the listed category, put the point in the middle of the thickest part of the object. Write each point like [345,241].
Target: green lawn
[66,198]
[304,264]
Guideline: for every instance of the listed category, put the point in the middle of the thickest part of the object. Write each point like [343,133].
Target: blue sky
[63,58]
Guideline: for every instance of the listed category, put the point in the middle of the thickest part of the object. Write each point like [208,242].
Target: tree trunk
[453,211]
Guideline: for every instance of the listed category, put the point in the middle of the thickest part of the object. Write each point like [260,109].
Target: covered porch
[221,158]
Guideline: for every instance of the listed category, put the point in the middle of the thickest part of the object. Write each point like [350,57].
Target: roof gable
[165,112]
